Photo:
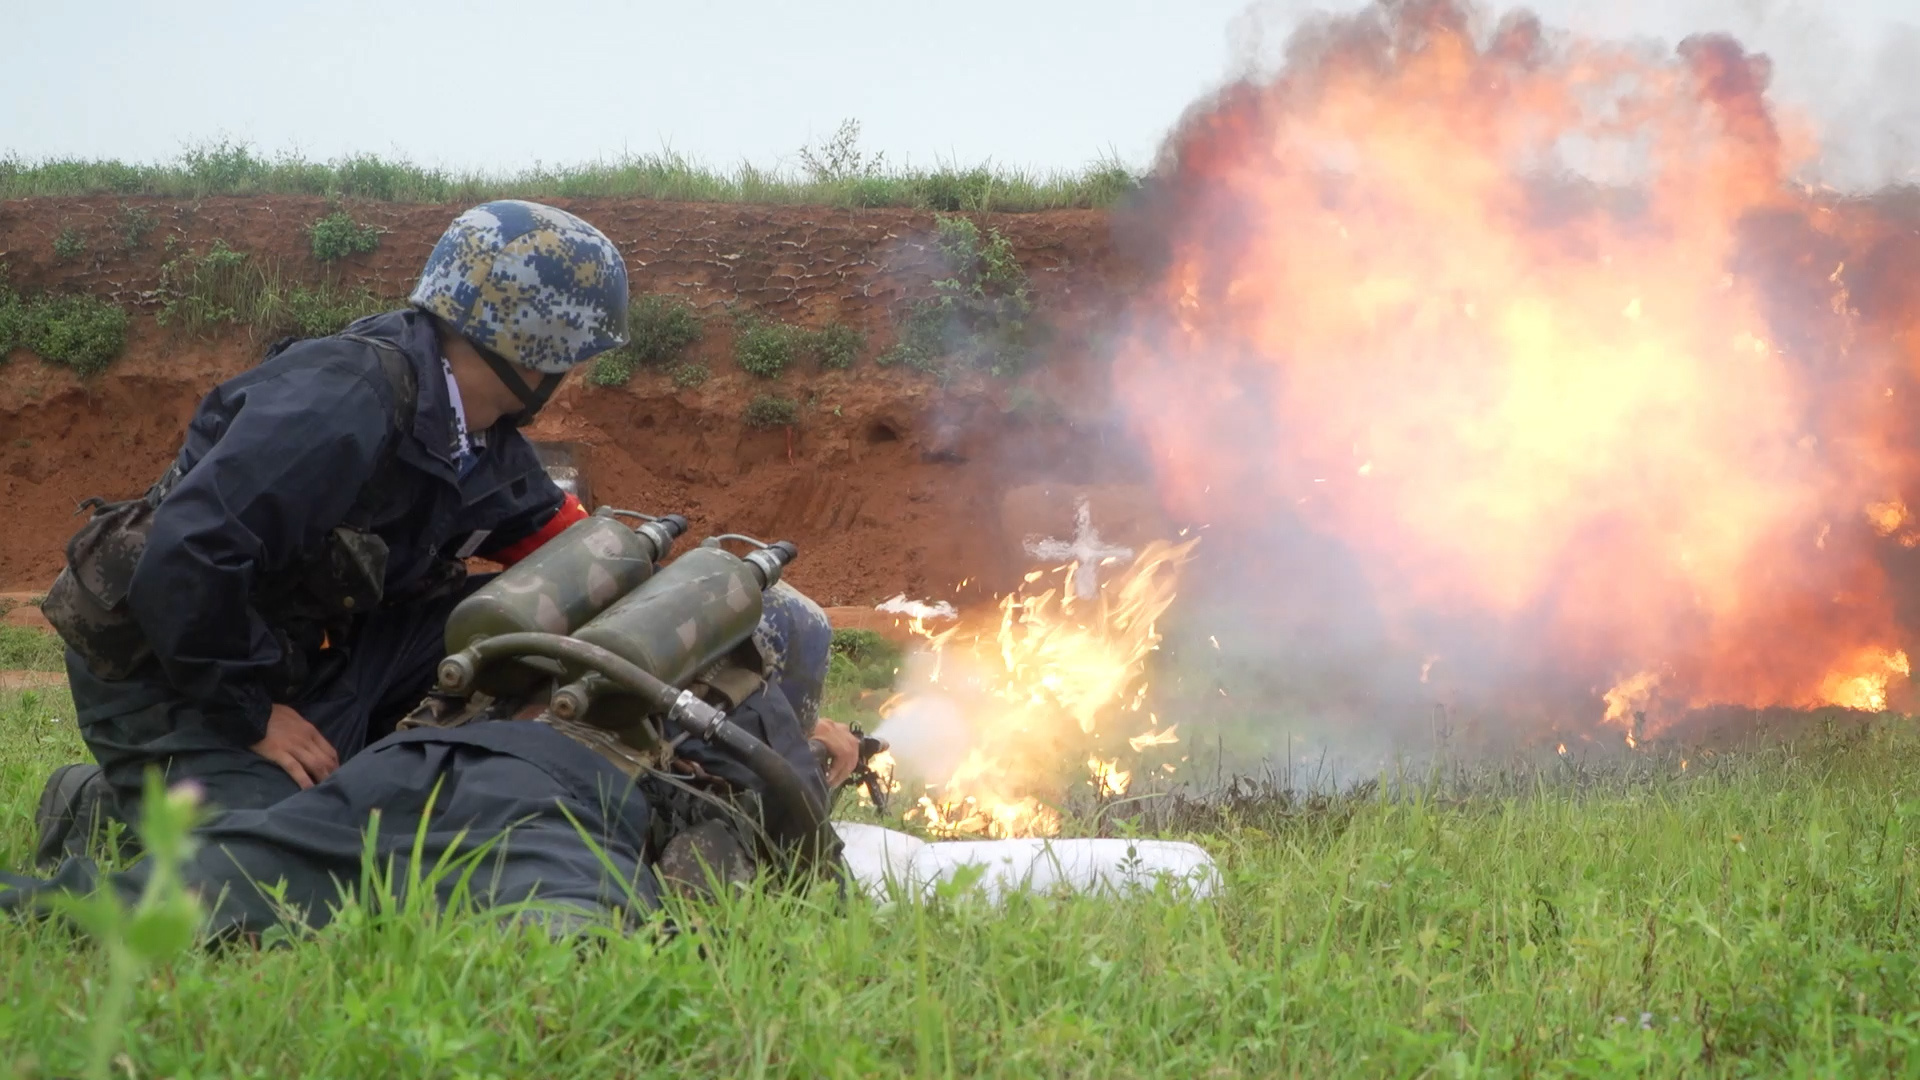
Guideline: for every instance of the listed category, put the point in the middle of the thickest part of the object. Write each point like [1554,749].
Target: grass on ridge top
[226,168]
[1752,915]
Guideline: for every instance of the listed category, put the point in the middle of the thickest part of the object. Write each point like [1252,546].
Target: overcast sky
[500,84]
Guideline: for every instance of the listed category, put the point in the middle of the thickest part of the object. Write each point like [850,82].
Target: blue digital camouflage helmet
[529,284]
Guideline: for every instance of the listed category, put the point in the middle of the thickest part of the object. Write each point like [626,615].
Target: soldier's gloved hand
[843,750]
[297,746]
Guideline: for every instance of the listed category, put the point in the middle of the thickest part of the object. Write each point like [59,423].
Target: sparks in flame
[1019,699]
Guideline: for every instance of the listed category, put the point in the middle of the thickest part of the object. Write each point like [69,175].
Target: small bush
[688,376]
[836,346]
[768,411]
[765,348]
[69,245]
[131,226]
[78,332]
[611,369]
[923,344]
[977,317]
[337,236]
[839,157]
[659,329]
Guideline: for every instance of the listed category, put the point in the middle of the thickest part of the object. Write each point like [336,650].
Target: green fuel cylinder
[568,581]
[687,616]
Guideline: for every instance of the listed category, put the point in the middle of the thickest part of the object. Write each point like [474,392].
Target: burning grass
[1753,914]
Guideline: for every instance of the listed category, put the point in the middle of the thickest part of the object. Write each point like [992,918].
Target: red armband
[570,511]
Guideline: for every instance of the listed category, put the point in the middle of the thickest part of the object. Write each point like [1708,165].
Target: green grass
[229,168]
[16,321]
[1752,915]
[860,660]
[203,292]
[26,649]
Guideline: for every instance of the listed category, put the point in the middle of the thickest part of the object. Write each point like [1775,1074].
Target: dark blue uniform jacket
[276,459]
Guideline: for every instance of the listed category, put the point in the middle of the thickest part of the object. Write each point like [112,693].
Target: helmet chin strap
[533,397]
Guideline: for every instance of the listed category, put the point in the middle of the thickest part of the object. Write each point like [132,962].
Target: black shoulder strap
[399,374]
[398,371]
[400,379]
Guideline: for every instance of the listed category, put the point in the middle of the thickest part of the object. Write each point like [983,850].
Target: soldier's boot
[73,809]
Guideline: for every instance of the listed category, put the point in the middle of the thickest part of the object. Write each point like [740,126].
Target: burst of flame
[1108,777]
[1862,684]
[1630,696]
[1892,519]
[1036,689]
[1539,329]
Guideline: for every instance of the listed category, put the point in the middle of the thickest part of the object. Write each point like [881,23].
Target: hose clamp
[695,716]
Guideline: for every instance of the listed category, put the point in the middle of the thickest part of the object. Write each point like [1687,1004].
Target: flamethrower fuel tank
[687,616]
[568,581]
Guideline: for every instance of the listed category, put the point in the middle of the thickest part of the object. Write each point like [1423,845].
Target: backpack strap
[398,371]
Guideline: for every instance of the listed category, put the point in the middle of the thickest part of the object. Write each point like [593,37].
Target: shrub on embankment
[78,332]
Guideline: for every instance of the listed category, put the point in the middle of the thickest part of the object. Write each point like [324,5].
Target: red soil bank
[889,482]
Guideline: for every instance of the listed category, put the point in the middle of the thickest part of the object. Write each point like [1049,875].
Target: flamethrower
[598,636]
[864,774]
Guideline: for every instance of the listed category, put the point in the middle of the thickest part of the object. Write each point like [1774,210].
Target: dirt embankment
[889,482]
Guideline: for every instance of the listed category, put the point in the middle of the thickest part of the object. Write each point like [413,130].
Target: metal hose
[798,819]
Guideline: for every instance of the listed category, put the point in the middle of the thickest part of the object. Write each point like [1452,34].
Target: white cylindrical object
[883,860]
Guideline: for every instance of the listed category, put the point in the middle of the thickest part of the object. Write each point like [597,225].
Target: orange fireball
[1541,331]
